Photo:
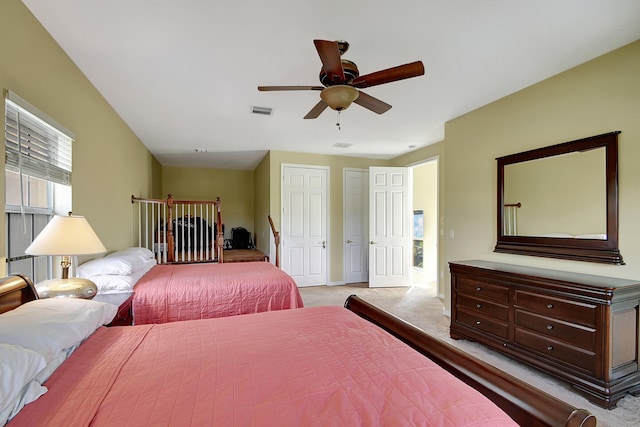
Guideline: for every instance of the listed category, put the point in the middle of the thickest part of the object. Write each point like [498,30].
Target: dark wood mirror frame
[591,250]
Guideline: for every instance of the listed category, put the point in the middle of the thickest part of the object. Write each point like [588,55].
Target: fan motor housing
[350,72]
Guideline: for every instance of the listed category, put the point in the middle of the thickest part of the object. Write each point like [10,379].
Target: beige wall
[109,162]
[594,98]
[261,208]
[234,187]
[336,165]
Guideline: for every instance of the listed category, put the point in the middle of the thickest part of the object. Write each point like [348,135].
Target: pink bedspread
[320,366]
[168,293]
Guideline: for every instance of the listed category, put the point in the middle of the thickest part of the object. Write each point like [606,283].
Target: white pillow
[123,263]
[18,368]
[112,284]
[138,251]
[51,326]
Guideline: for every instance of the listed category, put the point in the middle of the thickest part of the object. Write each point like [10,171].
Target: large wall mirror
[561,201]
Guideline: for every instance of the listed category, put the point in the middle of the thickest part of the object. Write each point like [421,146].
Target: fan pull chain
[338,123]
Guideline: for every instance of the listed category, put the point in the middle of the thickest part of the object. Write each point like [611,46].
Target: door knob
[349,241]
[323,244]
[373,243]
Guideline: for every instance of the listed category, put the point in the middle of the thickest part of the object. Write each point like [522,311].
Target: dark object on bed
[525,404]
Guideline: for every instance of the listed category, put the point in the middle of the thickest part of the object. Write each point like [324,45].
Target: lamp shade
[66,236]
[339,97]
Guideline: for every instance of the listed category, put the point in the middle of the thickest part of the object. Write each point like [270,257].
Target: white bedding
[114,284]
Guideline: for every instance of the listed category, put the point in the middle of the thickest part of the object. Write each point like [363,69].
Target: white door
[304,224]
[389,227]
[356,225]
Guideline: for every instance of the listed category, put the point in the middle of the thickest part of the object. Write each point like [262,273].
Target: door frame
[327,169]
[440,273]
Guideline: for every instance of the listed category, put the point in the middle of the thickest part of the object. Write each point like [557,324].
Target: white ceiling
[183,74]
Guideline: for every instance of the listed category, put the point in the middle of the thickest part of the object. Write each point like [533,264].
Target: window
[25,222]
[38,163]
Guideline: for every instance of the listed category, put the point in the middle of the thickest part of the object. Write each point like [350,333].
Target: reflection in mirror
[561,201]
[559,196]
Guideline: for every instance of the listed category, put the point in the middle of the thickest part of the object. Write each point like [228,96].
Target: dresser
[578,327]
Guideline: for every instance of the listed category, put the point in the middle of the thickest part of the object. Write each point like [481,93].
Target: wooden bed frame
[527,405]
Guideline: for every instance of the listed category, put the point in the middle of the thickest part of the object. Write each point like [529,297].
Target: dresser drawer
[488,308]
[557,350]
[476,321]
[581,336]
[482,289]
[570,311]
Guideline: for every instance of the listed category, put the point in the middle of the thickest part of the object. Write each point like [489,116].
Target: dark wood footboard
[527,405]
[16,290]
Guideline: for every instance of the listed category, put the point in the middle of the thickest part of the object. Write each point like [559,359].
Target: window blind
[34,146]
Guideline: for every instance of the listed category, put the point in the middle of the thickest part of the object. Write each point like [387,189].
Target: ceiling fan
[341,80]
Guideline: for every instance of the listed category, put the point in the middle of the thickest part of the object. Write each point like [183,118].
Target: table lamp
[67,236]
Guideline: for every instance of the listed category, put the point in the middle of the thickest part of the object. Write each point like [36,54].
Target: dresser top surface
[565,276]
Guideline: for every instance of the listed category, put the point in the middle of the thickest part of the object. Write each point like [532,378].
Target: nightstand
[124,316]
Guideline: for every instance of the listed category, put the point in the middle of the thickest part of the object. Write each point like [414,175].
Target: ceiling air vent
[265,111]
[342,145]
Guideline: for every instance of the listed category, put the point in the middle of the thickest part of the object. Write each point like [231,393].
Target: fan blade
[317,110]
[272,88]
[331,62]
[371,103]
[406,71]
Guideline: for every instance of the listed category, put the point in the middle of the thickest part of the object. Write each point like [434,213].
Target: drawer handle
[549,347]
[549,327]
[479,288]
[549,306]
[478,305]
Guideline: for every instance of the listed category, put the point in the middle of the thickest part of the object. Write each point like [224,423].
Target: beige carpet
[421,307]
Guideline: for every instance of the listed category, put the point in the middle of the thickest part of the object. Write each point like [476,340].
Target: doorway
[424,269]
[424,196]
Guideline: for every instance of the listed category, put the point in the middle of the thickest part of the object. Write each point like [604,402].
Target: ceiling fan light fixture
[339,97]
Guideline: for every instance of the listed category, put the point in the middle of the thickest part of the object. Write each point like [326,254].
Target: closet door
[304,224]
[356,225]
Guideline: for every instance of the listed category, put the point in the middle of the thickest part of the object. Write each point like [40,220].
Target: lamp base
[74,287]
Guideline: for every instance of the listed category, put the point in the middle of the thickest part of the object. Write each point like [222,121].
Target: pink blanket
[316,366]
[168,293]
